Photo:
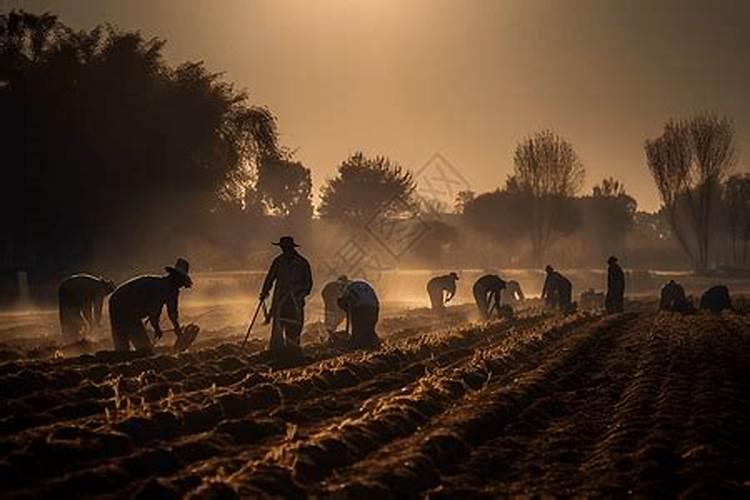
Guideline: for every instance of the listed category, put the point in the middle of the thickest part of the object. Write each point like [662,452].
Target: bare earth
[640,404]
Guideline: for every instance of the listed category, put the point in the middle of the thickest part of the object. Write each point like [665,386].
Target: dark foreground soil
[641,404]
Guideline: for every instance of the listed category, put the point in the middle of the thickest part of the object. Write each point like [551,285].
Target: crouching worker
[716,299]
[558,291]
[441,290]
[81,299]
[143,297]
[363,308]
[512,294]
[334,315]
[487,290]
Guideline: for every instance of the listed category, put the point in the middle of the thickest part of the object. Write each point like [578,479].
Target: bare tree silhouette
[736,199]
[547,169]
[689,161]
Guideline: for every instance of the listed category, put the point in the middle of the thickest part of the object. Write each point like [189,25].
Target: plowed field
[640,404]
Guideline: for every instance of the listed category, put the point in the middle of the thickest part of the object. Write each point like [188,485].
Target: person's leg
[436,299]
[139,337]
[620,303]
[277,333]
[363,321]
[70,325]
[480,297]
[293,328]
[120,335]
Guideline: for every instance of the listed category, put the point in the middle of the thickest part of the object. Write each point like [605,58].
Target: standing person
[334,315]
[441,290]
[81,299]
[144,297]
[613,303]
[550,288]
[291,279]
[360,302]
[487,290]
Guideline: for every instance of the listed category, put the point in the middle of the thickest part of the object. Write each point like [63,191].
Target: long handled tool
[252,323]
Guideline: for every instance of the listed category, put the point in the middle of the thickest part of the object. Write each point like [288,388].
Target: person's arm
[270,279]
[307,282]
[172,310]
[545,288]
[451,291]
[153,318]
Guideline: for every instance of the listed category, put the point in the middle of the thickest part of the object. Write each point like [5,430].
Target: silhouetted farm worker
[550,287]
[291,279]
[671,293]
[334,315]
[614,302]
[441,290]
[360,302]
[487,290]
[512,293]
[81,298]
[716,299]
[144,297]
[557,291]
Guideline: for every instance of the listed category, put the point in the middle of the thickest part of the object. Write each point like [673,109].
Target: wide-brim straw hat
[285,242]
[182,269]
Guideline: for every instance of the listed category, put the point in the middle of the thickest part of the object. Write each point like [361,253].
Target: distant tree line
[112,155]
[108,150]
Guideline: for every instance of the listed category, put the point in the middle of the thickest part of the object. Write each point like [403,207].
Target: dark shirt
[554,282]
[549,285]
[490,282]
[144,297]
[85,292]
[358,294]
[671,294]
[84,288]
[615,279]
[290,272]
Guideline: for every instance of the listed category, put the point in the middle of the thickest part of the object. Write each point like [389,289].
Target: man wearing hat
[81,299]
[441,290]
[613,303]
[143,297]
[291,279]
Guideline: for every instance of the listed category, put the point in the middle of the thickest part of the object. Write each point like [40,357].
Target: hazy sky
[468,79]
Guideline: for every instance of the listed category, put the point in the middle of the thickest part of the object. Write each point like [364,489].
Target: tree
[463,198]
[364,187]
[105,145]
[689,161]
[285,187]
[609,187]
[736,198]
[497,215]
[547,171]
[608,215]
